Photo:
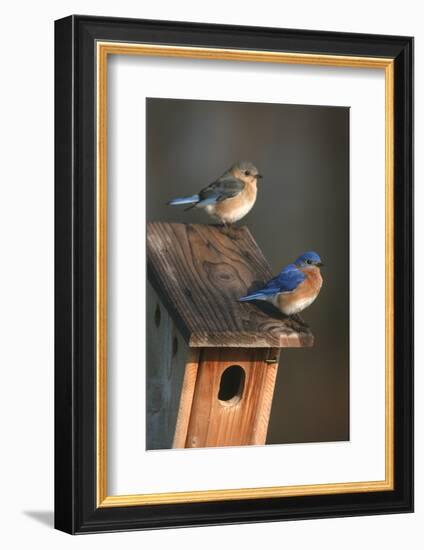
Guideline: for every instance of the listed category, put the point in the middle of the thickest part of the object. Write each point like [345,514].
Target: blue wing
[286,281]
[225,187]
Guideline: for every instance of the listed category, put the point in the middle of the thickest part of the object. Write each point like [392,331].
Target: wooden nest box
[211,360]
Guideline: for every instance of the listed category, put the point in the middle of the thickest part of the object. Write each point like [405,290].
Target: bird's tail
[255,296]
[184,200]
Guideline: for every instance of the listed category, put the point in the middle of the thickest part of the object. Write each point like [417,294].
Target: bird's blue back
[225,187]
[287,280]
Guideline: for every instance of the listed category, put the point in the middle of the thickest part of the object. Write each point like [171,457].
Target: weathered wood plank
[242,420]
[263,412]
[186,400]
[166,357]
[200,272]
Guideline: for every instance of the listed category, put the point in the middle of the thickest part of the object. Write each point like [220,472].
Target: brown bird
[229,198]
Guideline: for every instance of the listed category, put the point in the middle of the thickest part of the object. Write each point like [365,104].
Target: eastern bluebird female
[230,197]
[295,287]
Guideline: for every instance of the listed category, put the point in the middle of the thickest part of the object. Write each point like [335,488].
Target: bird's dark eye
[247,173]
[308,261]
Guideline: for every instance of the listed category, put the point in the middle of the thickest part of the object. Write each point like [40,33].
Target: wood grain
[200,272]
[167,354]
[186,400]
[242,421]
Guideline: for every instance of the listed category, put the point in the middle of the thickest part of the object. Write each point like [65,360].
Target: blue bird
[229,198]
[294,288]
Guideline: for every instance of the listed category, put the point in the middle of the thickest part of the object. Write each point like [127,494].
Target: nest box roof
[200,272]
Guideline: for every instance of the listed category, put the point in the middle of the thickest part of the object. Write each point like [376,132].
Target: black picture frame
[76,510]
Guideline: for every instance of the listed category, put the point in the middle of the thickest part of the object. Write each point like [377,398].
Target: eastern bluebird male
[230,197]
[295,287]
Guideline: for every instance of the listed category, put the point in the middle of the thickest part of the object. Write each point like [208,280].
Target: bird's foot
[297,319]
[226,228]
[229,229]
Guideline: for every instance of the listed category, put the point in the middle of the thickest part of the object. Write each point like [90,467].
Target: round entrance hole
[231,385]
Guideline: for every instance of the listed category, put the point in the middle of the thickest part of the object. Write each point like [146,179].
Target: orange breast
[304,295]
[313,278]
[234,209]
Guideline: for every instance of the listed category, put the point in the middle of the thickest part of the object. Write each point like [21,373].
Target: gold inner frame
[104,49]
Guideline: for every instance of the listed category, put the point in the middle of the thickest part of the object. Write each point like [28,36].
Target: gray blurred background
[303,204]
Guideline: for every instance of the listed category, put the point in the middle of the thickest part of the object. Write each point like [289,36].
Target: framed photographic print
[233,271]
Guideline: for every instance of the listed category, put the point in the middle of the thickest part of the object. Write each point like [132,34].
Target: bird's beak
[259,176]
[320,264]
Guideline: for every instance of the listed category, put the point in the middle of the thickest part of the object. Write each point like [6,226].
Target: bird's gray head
[309,259]
[245,171]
